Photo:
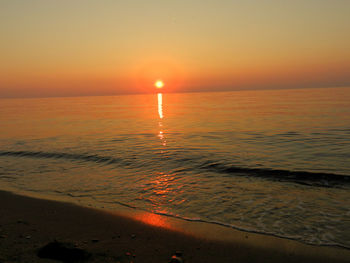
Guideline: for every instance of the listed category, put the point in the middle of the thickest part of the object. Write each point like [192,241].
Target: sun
[159,84]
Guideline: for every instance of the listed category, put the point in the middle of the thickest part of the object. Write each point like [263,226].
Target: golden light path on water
[160,105]
[161,185]
[161,116]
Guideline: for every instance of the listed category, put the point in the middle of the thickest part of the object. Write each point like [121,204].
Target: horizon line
[171,92]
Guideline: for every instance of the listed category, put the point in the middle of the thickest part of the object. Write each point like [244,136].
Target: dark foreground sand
[27,224]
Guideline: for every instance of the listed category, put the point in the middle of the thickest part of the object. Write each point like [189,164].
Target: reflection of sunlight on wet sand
[154,220]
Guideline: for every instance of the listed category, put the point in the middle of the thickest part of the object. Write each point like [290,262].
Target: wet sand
[27,224]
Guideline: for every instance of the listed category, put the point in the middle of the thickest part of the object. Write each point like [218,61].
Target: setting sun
[159,84]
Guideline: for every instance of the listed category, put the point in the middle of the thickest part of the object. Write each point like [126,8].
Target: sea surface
[272,161]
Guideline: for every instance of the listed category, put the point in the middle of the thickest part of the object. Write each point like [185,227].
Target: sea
[275,162]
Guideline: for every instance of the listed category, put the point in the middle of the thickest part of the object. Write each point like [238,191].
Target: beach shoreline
[27,224]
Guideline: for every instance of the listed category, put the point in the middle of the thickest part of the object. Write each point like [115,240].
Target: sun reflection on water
[162,138]
[161,116]
[162,189]
[160,105]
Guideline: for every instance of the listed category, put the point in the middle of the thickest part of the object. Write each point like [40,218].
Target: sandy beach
[28,224]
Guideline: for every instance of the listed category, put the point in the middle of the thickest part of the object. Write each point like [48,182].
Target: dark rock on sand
[20,221]
[64,252]
[177,257]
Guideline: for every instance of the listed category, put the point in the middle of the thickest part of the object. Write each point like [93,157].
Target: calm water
[274,162]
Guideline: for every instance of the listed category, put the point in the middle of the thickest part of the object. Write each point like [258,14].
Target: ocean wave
[300,238]
[300,177]
[59,155]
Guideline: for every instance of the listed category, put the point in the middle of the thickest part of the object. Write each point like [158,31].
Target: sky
[105,47]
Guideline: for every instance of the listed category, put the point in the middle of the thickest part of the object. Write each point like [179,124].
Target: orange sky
[73,48]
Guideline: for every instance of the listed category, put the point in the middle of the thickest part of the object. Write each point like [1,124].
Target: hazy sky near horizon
[85,47]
